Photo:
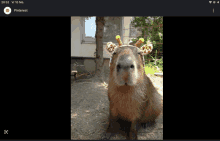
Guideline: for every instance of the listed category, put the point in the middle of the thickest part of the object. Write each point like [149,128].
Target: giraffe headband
[146,48]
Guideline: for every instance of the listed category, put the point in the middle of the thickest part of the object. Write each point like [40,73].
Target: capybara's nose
[125,62]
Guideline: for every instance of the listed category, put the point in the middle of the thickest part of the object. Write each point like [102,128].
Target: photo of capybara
[132,97]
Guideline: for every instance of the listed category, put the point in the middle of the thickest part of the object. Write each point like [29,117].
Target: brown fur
[136,104]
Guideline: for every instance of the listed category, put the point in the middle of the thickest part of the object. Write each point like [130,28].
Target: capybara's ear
[110,47]
[147,48]
[118,39]
[139,42]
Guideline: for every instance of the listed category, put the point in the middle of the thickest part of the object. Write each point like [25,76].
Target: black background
[35,58]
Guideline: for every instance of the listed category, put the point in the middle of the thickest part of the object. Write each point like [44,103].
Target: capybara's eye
[118,66]
[132,66]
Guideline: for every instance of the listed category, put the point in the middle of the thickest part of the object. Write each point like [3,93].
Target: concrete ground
[89,112]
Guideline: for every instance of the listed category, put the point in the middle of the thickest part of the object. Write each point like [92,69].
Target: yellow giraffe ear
[139,42]
[118,39]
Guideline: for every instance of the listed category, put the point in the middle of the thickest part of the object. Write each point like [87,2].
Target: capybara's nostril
[132,66]
[118,66]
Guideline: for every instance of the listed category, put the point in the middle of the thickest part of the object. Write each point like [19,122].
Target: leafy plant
[152,30]
[150,69]
[158,63]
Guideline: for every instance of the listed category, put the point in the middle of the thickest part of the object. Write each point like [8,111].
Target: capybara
[132,97]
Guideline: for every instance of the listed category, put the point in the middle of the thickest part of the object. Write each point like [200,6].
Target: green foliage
[159,63]
[150,30]
[151,69]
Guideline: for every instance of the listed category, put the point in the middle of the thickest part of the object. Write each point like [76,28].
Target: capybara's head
[126,66]
[127,63]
